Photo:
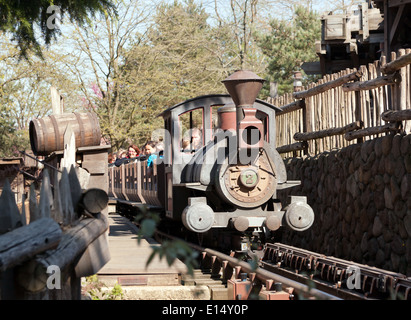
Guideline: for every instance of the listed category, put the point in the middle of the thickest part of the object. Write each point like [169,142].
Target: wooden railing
[346,107]
[44,252]
[132,181]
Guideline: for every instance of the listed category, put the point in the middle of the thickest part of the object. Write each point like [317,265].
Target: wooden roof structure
[397,24]
[361,35]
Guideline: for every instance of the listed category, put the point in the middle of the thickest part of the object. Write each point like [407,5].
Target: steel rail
[261,274]
[344,294]
[321,269]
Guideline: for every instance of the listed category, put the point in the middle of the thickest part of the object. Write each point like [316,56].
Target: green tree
[24,18]
[288,45]
[95,59]
[176,59]
[25,93]
[7,130]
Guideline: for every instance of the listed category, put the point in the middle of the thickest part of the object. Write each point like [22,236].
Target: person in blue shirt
[149,150]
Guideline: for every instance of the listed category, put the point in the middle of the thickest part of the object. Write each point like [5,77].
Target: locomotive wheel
[247,186]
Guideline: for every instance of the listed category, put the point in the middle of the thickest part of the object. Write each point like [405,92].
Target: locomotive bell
[243,87]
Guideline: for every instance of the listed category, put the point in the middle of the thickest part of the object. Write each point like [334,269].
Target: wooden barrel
[46,134]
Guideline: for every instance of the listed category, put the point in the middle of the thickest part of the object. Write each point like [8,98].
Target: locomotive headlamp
[243,87]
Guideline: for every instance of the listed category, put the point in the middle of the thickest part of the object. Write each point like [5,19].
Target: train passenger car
[220,170]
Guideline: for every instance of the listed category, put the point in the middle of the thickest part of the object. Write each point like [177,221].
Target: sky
[267,9]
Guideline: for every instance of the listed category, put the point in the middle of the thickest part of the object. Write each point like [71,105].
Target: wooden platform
[127,265]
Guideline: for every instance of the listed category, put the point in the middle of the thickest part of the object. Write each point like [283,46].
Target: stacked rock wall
[361,196]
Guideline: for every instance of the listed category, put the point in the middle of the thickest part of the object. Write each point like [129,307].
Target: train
[223,187]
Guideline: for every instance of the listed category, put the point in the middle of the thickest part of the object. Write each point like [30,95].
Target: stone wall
[361,196]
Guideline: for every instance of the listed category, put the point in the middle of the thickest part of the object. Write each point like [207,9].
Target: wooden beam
[69,154]
[327,86]
[397,3]
[387,18]
[10,161]
[75,240]
[25,242]
[73,243]
[396,115]
[397,64]
[56,101]
[364,19]
[396,22]
[293,106]
[372,84]
[371,131]
[293,147]
[305,136]
[94,200]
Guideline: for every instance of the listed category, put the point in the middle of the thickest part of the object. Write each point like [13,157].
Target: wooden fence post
[57,101]
[305,126]
[10,218]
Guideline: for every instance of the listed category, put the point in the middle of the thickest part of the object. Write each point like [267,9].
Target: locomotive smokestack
[243,87]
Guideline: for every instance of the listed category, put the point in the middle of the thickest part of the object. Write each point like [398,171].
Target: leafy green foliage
[173,61]
[288,45]
[7,131]
[20,18]
[97,290]
[147,221]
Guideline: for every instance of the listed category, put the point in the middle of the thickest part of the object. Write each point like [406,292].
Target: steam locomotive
[226,190]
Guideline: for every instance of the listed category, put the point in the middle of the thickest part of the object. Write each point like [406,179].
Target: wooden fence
[44,252]
[346,107]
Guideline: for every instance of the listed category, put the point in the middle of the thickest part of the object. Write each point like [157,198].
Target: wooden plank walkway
[127,265]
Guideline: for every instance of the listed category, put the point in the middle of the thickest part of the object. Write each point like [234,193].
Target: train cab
[190,171]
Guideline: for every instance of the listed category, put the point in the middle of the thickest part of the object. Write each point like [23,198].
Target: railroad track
[283,272]
[342,278]
[247,280]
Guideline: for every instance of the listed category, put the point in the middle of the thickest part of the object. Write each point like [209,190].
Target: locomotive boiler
[228,182]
